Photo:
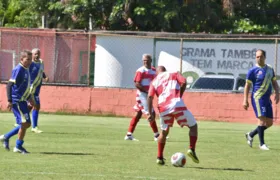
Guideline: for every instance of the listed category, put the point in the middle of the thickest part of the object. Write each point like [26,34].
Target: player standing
[169,88]
[143,77]
[18,92]
[262,77]
[37,75]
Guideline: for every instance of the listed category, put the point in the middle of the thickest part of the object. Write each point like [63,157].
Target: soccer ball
[178,159]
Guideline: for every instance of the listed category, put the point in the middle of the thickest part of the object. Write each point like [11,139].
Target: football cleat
[193,156]
[249,139]
[130,138]
[156,137]
[264,147]
[160,161]
[5,142]
[21,150]
[36,130]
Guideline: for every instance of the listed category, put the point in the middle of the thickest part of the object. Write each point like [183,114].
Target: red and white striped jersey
[166,86]
[144,76]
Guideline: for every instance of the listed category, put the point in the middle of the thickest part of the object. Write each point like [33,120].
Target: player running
[18,92]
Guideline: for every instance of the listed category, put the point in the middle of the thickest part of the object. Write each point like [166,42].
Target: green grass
[86,147]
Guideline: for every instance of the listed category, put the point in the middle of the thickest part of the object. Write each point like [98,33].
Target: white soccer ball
[178,159]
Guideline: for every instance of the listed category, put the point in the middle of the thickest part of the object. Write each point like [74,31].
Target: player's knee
[37,107]
[25,125]
[193,130]
[269,123]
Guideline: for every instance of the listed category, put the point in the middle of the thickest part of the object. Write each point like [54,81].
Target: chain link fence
[66,55]
[110,59]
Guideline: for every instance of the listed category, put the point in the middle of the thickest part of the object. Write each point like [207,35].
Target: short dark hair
[263,52]
[25,53]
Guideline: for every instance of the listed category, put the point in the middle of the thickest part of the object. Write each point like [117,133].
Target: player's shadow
[222,169]
[67,153]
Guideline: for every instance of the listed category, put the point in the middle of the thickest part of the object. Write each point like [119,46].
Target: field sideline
[87,147]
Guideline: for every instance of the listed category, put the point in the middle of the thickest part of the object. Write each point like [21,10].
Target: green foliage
[247,16]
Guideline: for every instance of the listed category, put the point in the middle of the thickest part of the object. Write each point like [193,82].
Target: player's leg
[143,104]
[250,135]
[132,125]
[6,137]
[265,121]
[154,127]
[17,115]
[35,114]
[262,108]
[185,118]
[165,123]
[25,124]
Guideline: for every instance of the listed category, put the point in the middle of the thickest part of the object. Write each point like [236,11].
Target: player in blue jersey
[262,78]
[37,75]
[18,92]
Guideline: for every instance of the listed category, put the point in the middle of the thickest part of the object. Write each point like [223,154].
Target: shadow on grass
[222,169]
[65,153]
[64,133]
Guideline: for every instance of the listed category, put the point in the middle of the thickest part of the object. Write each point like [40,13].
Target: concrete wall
[204,106]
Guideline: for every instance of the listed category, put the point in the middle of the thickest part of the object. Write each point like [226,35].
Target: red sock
[154,126]
[193,140]
[160,149]
[132,124]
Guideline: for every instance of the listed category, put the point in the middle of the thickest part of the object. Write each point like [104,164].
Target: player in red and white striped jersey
[143,77]
[169,88]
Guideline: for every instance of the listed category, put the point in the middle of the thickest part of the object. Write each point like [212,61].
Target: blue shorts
[36,99]
[262,107]
[21,112]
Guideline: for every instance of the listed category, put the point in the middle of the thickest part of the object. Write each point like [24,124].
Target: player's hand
[245,105]
[47,79]
[276,98]
[151,118]
[9,105]
[31,102]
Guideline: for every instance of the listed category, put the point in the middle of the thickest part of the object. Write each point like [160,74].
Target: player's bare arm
[246,95]
[150,108]
[276,89]
[140,87]
[45,77]
[9,95]
[182,89]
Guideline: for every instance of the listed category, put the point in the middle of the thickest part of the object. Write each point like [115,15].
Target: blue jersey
[21,87]
[36,70]
[261,79]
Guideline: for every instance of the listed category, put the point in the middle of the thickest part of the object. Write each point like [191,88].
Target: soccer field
[86,147]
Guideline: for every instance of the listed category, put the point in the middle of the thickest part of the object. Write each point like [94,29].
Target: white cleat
[36,130]
[249,139]
[130,138]
[156,138]
[264,147]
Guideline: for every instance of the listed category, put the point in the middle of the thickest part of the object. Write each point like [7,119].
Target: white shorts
[141,103]
[183,118]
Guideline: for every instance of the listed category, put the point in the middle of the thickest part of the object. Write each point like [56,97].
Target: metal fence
[65,55]
[110,59]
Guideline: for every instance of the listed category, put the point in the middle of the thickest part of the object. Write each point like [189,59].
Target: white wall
[117,59]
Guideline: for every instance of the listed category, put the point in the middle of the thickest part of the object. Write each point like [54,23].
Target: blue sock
[261,134]
[19,143]
[35,115]
[12,132]
[253,133]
